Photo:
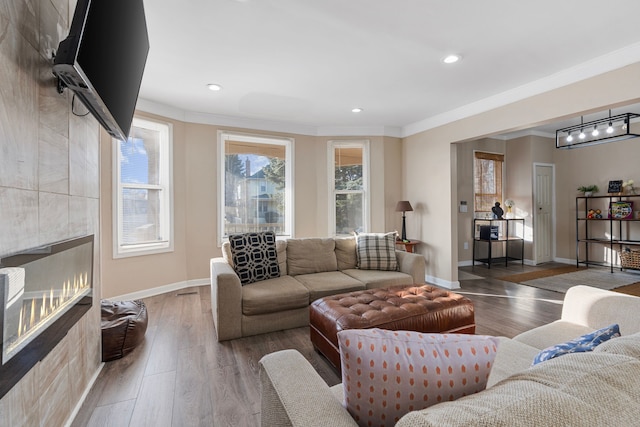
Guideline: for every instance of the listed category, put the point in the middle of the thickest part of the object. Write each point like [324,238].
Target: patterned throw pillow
[386,374]
[581,344]
[254,256]
[376,251]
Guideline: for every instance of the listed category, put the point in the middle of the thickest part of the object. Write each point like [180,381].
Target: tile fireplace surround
[43,293]
[49,192]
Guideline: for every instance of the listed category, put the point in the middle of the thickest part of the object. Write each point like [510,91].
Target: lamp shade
[403,206]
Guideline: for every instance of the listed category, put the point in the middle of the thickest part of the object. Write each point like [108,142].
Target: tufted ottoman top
[421,308]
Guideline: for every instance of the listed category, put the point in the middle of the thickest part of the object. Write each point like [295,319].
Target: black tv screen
[103,59]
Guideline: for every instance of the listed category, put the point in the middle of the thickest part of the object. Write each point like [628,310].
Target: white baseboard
[442,283]
[565,260]
[161,290]
[87,389]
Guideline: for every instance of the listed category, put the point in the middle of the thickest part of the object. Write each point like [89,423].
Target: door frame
[553,210]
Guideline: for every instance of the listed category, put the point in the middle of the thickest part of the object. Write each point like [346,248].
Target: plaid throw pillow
[376,251]
[254,256]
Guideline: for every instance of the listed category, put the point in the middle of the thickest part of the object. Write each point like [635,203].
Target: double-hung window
[487,180]
[255,184]
[143,222]
[348,187]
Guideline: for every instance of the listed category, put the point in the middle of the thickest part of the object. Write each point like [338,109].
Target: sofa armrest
[413,264]
[226,300]
[597,308]
[293,394]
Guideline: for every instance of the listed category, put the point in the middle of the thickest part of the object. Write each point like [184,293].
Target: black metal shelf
[504,237]
[614,233]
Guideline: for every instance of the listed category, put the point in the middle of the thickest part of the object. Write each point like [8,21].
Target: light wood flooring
[181,376]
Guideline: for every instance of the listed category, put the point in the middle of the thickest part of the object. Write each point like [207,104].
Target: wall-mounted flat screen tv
[103,58]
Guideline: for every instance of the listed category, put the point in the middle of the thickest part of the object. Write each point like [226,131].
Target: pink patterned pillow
[387,374]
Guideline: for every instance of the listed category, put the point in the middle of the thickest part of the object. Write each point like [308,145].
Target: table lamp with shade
[404,206]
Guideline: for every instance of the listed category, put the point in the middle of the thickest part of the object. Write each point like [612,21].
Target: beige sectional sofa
[598,388]
[310,268]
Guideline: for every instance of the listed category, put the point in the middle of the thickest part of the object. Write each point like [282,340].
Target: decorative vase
[588,193]
[509,213]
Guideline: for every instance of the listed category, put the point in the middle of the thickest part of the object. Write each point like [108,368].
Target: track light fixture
[619,127]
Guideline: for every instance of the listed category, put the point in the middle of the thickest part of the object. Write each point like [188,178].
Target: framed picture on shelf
[615,186]
[621,210]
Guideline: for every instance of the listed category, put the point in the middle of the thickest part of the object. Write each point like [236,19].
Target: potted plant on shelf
[588,190]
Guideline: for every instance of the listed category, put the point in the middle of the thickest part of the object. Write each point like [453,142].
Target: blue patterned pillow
[254,256]
[579,345]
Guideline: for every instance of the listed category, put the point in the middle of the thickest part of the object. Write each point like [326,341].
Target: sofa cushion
[328,283]
[306,256]
[628,345]
[346,252]
[254,256]
[512,357]
[583,343]
[580,389]
[273,295]
[552,333]
[376,251]
[386,374]
[380,279]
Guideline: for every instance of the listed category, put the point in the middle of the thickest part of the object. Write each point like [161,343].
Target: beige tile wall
[49,191]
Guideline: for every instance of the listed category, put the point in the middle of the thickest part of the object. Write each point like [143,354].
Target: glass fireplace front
[39,287]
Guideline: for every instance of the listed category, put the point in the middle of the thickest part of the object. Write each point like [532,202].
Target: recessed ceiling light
[450,59]
[357,110]
[214,87]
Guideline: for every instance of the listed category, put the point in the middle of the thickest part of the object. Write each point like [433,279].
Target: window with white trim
[255,184]
[143,202]
[348,187]
[487,180]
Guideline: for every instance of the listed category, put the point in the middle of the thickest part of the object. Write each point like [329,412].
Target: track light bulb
[582,135]
[610,128]
[595,131]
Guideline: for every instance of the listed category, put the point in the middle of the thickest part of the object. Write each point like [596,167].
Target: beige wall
[195,168]
[430,170]
[590,165]
[49,191]
[520,155]
[464,156]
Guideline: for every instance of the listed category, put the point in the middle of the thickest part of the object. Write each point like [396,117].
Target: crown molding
[174,113]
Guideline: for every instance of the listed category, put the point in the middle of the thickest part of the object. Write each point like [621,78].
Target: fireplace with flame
[43,293]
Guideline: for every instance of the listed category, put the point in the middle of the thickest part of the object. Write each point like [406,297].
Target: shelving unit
[614,234]
[508,232]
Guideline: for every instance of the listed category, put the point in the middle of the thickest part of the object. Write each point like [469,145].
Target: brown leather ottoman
[420,308]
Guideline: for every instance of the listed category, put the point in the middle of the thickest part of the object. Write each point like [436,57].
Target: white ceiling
[303,65]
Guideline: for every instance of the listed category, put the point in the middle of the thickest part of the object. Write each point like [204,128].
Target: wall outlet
[466,245]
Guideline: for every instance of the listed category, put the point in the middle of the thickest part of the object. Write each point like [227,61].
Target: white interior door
[543,219]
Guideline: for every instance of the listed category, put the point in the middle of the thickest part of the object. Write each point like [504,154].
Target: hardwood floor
[181,376]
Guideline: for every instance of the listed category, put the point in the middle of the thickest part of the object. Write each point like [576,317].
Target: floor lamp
[404,206]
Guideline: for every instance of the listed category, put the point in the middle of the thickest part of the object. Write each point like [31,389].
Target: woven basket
[630,259]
